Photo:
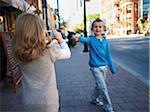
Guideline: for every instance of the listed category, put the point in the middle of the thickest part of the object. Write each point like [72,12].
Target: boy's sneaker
[96,102]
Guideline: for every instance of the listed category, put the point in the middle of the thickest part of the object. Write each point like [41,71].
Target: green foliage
[63,23]
[142,24]
[78,28]
[92,16]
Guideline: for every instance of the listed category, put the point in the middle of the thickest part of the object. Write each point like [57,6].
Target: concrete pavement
[76,83]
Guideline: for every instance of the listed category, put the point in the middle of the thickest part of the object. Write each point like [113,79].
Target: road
[132,55]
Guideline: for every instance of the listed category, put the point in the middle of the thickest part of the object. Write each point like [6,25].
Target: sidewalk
[76,83]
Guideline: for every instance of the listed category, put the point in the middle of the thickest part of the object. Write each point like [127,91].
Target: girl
[39,88]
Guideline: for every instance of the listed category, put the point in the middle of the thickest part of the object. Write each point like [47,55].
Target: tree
[78,28]
[92,16]
[63,23]
[143,25]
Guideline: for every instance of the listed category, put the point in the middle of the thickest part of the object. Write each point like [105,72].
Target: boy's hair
[96,20]
[29,40]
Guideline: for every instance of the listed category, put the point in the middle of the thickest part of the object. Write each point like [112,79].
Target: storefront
[9,10]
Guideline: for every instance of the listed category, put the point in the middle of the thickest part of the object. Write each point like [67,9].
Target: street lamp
[85,31]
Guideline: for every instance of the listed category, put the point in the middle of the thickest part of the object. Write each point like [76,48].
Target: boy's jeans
[101,87]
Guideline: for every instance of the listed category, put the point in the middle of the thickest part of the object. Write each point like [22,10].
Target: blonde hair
[29,40]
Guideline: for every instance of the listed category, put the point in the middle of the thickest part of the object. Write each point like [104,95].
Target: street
[132,55]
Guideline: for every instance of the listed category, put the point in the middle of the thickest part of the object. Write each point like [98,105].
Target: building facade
[10,9]
[144,8]
[120,16]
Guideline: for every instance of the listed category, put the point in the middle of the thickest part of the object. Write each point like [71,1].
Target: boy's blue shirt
[100,54]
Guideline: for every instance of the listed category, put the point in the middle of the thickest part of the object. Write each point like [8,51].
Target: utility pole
[85,31]
[44,8]
[58,13]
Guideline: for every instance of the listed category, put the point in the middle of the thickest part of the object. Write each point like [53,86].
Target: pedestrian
[99,59]
[39,88]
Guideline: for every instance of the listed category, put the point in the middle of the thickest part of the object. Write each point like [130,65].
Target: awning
[19,4]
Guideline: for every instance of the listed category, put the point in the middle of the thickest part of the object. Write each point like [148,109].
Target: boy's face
[98,28]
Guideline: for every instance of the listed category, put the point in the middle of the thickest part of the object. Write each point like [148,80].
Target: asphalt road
[132,55]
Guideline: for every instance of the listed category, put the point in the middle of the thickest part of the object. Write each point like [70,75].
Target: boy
[100,58]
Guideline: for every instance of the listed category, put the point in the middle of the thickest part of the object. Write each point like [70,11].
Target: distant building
[107,14]
[121,16]
[77,9]
[144,8]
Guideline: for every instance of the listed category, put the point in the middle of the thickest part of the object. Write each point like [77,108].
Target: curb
[128,37]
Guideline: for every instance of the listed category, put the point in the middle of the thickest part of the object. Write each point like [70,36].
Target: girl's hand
[58,36]
[48,40]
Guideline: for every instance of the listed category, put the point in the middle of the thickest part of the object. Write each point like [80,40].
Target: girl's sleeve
[59,51]
[109,59]
[84,39]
